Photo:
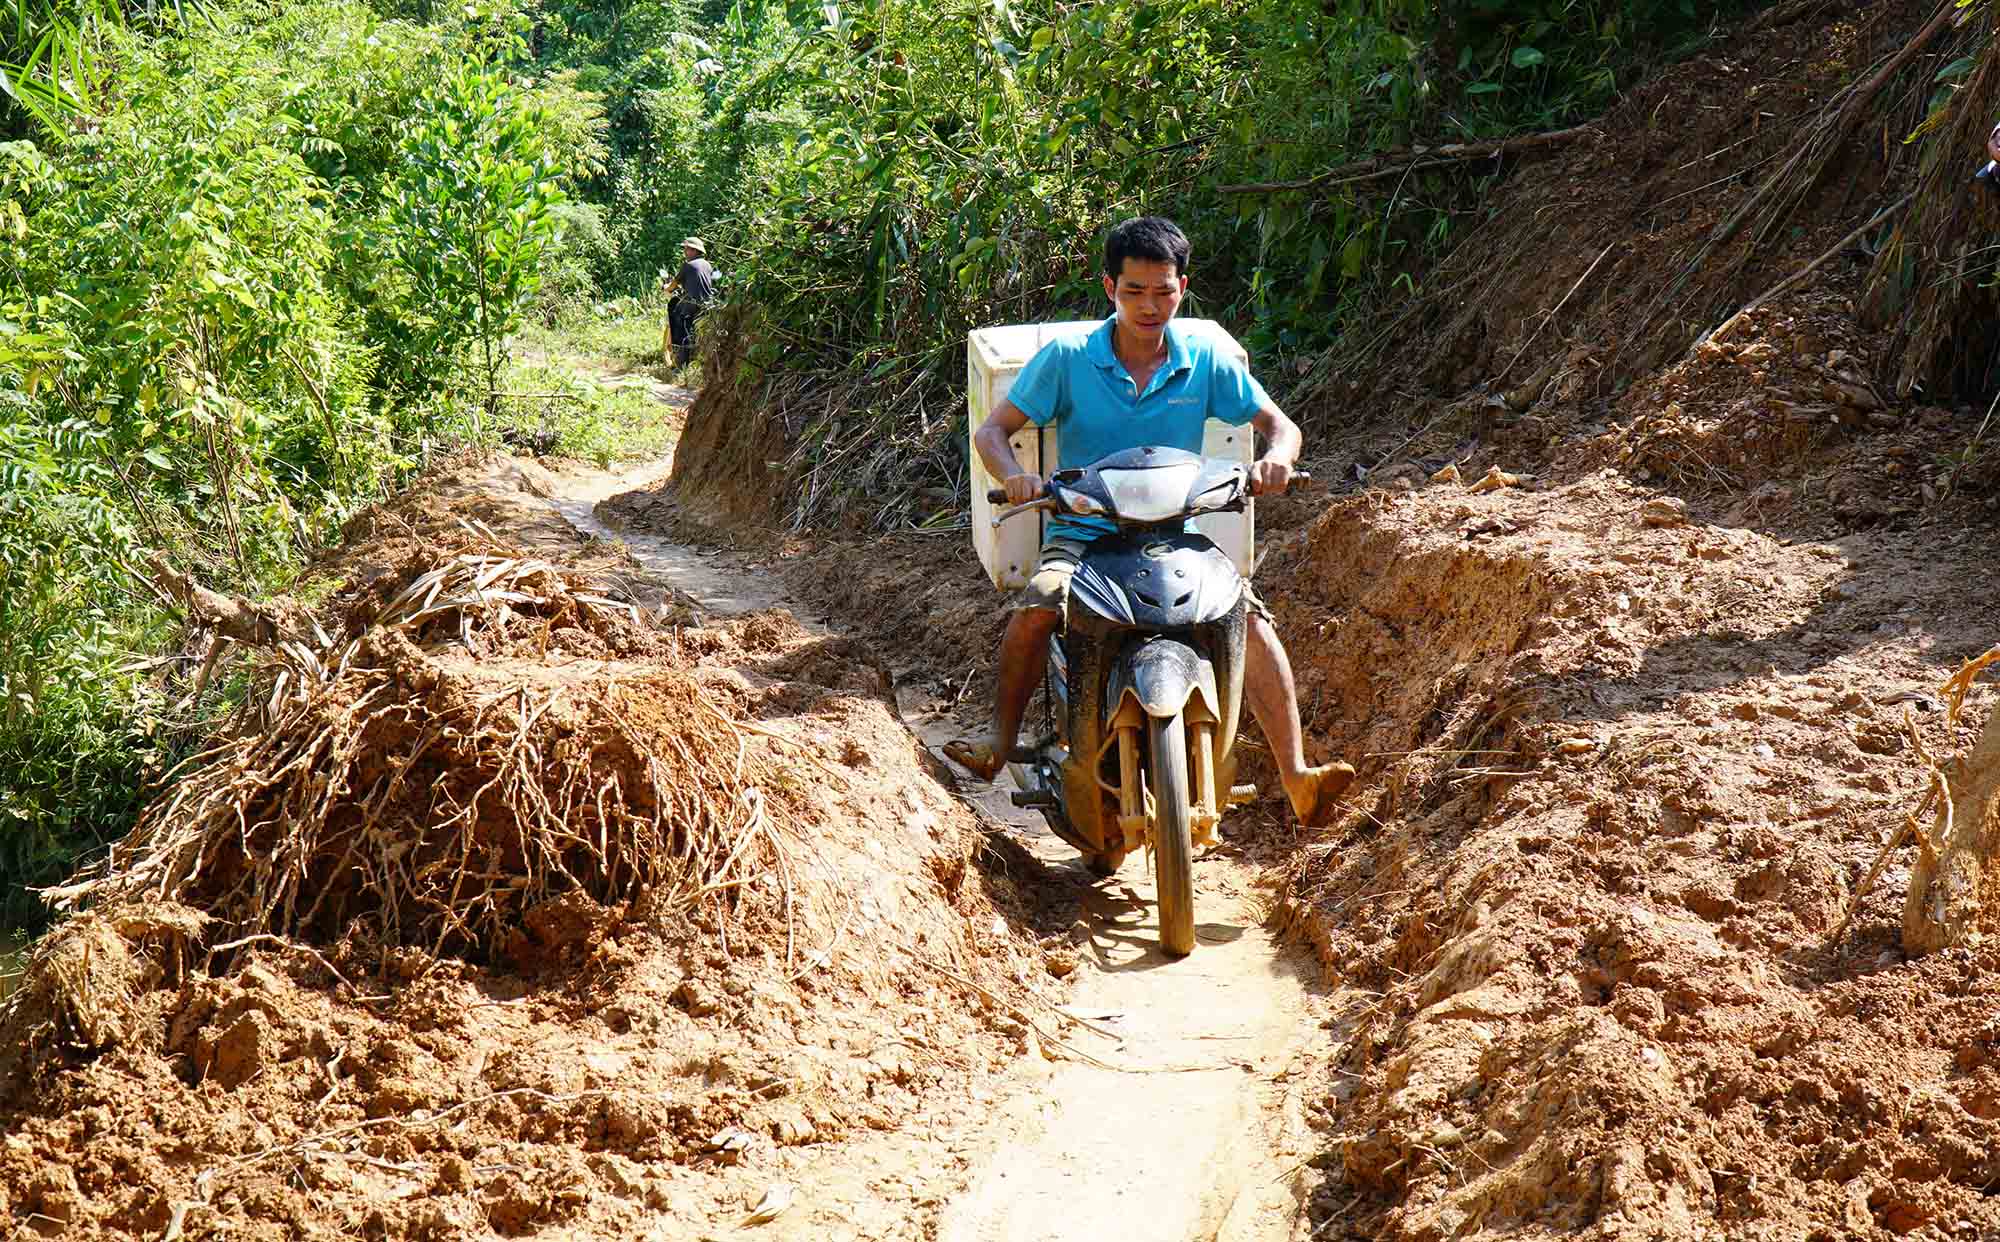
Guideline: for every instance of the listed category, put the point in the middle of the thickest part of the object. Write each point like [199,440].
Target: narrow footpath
[1172,1109]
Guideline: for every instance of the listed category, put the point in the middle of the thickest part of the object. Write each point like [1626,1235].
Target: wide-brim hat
[695,244]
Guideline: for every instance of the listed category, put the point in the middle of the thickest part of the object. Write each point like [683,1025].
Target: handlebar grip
[996,495]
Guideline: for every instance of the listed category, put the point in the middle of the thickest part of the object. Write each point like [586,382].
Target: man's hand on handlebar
[1268,477]
[1023,487]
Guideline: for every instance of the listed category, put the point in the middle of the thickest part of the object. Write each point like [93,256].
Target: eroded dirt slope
[1622,773]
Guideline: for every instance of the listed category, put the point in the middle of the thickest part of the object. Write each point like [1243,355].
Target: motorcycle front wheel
[1173,834]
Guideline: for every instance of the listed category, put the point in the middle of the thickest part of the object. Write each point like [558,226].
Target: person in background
[689,293]
[1989,176]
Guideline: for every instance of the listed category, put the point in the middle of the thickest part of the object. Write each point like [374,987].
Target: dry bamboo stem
[1394,163]
[1796,278]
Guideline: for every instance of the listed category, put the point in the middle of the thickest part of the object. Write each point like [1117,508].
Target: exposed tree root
[429,799]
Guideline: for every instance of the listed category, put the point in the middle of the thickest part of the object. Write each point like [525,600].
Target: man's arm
[1273,471]
[992,442]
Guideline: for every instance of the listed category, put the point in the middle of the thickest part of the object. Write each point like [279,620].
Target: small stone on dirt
[1494,480]
[696,999]
[234,1056]
[730,1144]
[630,1120]
[624,1176]
[453,1173]
[1664,511]
[776,1199]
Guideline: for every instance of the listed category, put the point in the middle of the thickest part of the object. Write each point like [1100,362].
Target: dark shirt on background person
[697,281]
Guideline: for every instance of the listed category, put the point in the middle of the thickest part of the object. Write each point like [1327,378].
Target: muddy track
[1171,1111]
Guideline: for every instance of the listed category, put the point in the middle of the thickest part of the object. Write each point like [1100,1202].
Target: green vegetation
[876,179]
[880,177]
[246,283]
[259,261]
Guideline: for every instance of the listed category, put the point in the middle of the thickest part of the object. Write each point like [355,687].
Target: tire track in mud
[1176,1113]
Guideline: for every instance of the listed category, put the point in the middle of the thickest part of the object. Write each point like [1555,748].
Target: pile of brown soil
[528,913]
[1621,775]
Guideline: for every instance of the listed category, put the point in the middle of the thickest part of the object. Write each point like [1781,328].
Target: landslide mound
[1558,351]
[1623,774]
[1652,249]
[509,908]
[470,748]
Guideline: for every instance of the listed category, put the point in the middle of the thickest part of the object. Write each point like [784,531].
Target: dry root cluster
[429,777]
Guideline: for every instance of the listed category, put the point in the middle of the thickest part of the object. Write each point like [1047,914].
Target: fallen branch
[1792,281]
[1783,15]
[1413,159]
[234,617]
[1896,838]
[1536,334]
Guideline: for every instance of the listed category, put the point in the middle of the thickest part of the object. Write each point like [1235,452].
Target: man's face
[689,252]
[1146,292]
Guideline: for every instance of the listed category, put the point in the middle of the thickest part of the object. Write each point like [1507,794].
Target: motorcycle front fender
[1160,675]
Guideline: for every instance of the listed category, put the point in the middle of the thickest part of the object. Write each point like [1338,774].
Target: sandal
[977,758]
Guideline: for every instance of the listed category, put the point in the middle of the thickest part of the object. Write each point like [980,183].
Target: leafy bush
[257,273]
[575,264]
[882,176]
[67,754]
[468,219]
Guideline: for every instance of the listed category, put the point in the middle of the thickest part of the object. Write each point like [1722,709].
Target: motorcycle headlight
[1077,502]
[1150,495]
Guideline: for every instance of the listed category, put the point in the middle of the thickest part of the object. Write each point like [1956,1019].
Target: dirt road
[1172,1113]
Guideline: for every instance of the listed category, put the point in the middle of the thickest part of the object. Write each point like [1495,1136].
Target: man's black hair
[1146,237]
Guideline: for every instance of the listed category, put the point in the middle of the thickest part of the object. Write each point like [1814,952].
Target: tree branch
[246,621]
[1411,159]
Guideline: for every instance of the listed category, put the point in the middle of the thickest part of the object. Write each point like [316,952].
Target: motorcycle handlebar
[998,495]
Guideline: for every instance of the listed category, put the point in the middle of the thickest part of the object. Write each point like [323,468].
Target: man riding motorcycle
[1137,381]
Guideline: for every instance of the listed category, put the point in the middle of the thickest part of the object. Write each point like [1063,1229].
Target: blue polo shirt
[1077,384]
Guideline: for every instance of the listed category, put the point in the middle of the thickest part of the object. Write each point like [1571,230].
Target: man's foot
[1315,791]
[978,758]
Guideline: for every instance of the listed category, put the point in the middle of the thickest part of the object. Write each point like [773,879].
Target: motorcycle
[1145,674]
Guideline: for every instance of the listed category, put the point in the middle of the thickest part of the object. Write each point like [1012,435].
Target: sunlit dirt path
[1171,1111]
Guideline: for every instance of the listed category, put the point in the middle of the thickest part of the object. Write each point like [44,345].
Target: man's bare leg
[1274,701]
[1022,654]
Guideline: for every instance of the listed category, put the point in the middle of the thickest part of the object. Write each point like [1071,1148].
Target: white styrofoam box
[993,357]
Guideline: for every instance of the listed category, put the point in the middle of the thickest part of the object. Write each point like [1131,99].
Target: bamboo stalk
[1393,163]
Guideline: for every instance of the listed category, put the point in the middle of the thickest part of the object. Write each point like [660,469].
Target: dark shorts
[1049,588]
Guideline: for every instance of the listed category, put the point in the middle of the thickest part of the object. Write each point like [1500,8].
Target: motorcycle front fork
[1127,732]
